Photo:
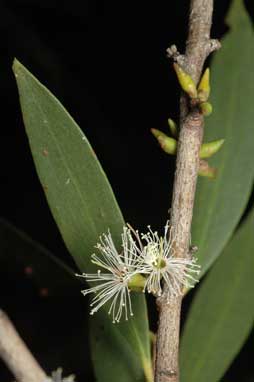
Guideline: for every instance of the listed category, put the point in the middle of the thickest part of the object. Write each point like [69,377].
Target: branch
[16,355]
[198,47]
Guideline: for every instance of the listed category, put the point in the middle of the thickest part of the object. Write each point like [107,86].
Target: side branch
[198,47]
[16,355]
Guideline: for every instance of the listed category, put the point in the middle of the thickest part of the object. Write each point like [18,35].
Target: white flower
[121,268]
[159,263]
[57,377]
[124,271]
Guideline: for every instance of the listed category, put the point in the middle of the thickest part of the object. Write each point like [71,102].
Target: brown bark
[198,47]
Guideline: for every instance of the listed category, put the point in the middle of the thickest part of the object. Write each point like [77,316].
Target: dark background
[106,62]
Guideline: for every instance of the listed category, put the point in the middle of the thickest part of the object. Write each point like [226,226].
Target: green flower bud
[137,283]
[205,108]
[204,86]
[210,148]
[185,81]
[173,127]
[169,145]
[158,133]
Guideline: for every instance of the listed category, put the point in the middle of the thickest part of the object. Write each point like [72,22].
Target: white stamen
[159,263]
[155,260]
[113,286]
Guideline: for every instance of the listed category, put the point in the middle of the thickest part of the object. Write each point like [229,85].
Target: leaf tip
[237,13]
[16,65]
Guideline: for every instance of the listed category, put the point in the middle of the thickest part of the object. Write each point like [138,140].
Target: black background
[106,62]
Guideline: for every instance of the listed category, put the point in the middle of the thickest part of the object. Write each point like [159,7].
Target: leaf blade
[80,198]
[72,177]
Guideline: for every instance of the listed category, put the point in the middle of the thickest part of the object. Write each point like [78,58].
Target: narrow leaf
[220,204]
[222,313]
[77,190]
[82,203]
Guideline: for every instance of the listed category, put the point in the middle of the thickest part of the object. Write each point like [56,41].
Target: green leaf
[83,205]
[22,256]
[220,203]
[77,190]
[222,313]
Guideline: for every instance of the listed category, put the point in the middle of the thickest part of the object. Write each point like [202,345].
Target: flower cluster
[57,377]
[144,263]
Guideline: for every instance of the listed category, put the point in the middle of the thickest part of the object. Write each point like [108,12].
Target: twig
[198,47]
[16,355]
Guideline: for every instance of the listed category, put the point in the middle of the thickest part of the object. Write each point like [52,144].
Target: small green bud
[169,145]
[158,133]
[137,283]
[173,127]
[185,81]
[205,108]
[204,86]
[206,170]
[210,148]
